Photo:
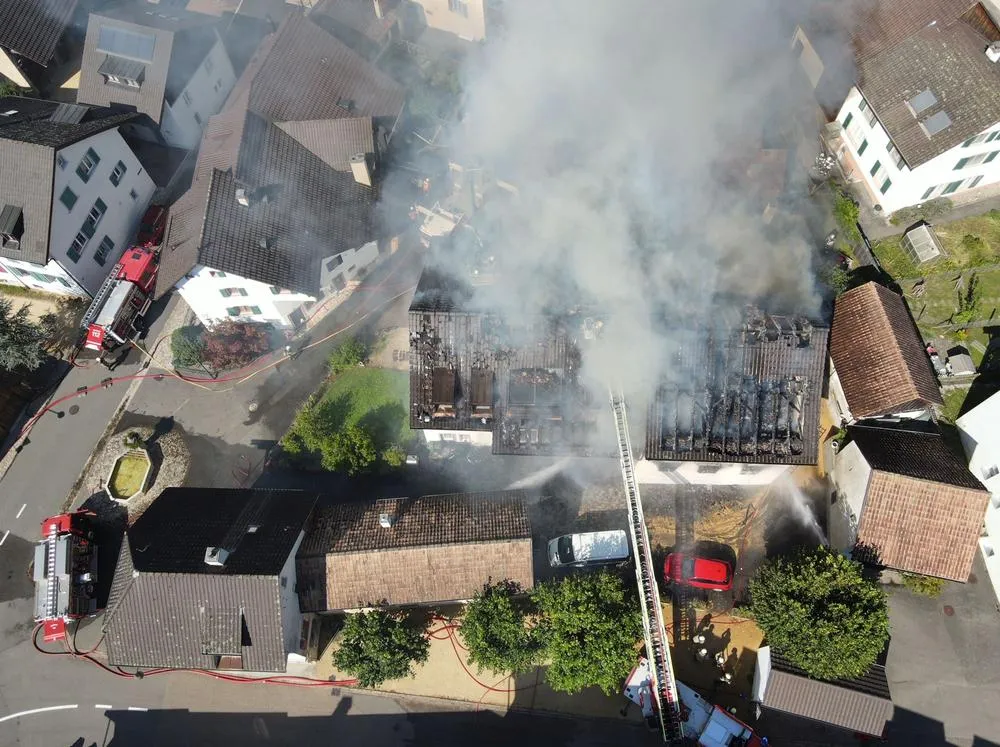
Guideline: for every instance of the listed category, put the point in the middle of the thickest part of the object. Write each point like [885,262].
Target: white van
[590,548]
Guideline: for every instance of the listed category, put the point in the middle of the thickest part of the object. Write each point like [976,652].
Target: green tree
[846,211]
[187,347]
[818,610]
[378,646]
[9,89]
[837,278]
[589,626]
[394,456]
[350,450]
[968,302]
[21,340]
[495,630]
[348,354]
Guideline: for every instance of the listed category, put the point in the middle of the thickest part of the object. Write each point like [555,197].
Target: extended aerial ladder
[664,686]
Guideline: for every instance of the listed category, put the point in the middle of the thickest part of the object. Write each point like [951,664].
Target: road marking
[4,538]
[38,710]
[103,707]
[137,708]
[179,407]
[21,511]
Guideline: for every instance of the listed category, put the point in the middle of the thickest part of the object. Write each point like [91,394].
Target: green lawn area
[960,252]
[373,398]
[940,299]
[953,401]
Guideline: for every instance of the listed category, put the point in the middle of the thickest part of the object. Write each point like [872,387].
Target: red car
[154,223]
[701,573]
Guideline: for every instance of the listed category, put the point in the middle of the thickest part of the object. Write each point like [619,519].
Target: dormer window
[118,71]
[11,226]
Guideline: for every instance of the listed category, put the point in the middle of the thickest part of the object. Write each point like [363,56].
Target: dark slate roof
[192,34]
[167,608]
[33,28]
[917,454]
[949,59]
[354,22]
[862,704]
[458,518]
[28,142]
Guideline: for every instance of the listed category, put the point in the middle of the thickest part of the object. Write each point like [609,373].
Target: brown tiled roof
[881,25]
[334,141]
[357,16]
[878,354]
[923,509]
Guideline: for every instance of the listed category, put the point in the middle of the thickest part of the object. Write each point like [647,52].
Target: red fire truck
[122,300]
[65,572]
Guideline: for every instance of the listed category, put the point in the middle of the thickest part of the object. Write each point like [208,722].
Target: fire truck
[65,572]
[121,302]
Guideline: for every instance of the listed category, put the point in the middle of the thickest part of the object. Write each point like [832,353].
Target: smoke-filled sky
[620,123]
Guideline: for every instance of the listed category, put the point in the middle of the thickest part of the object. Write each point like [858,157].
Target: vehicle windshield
[687,569]
[565,546]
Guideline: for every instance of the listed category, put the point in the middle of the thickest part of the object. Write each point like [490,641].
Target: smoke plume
[626,127]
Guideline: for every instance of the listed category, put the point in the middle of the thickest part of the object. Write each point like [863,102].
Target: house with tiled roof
[72,192]
[167,63]
[282,207]
[413,551]
[369,27]
[906,501]
[979,429]
[206,580]
[879,366]
[41,42]
[921,117]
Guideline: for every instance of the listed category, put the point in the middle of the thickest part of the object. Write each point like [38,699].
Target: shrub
[133,440]
[350,450]
[349,353]
[837,278]
[846,212]
[231,344]
[926,586]
[968,302]
[378,646]
[495,630]
[21,339]
[187,346]
[394,456]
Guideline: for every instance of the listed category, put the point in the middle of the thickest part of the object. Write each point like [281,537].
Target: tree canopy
[349,353]
[21,340]
[380,645]
[589,626]
[351,450]
[819,611]
[495,630]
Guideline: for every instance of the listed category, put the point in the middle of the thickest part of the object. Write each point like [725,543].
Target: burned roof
[878,355]
[34,28]
[437,548]
[862,704]
[746,390]
[31,131]
[356,23]
[923,509]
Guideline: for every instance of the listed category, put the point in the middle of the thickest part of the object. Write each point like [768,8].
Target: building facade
[466,19]
[981,440]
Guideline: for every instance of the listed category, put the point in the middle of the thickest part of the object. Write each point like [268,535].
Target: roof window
[936,123]
[922,101]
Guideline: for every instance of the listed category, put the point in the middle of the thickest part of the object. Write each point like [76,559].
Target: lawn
[969,242]
[373,398]
[939,300]
[953,401]
[128,474]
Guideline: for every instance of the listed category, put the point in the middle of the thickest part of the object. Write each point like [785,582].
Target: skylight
[935,123]
[125,43]
[922,101]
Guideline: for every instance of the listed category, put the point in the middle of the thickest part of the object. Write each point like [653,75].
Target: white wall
[851,474]
[980,432]
[202,291]
[470,25]
[837,398]
[207,91]
[119,223]
[911,187]
[652,472]
[349,266]
[476,438]
[811,63]
[761,674]
[291,616]
[50,278]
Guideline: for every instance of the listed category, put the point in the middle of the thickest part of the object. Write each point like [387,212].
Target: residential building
[879,366]
[469,20]
[282,207]
[413,551]
[922,118]
[980,435]
[167,63]
[206,580]
[369,27]
[905,500]
[41,42]
[71,194]
[862,705]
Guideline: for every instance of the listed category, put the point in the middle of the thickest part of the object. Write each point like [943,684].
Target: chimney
[242,197]
[993,52]
[378,8]
[216,556]
[359,167]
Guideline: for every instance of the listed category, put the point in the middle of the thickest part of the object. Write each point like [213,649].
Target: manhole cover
[949,611]
[74,409]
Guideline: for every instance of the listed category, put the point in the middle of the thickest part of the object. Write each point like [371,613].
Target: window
[42,277]
[76,248]
[227,292]
[64,281]
[953,187]
[961,163]
[217,273]
[107,246]
[992,136]
[936,123]
[209,64]
[895,155]
[87,164]
[61,161]
[459,6]
[990,156]
[275,290]
[118,173]
[928,193]
[975,181]
[333,264]
[96,213]
[863,147]
[240,310]
[991,471]
[709,468]
[124,43]
[133,194]
[197,118]
[187,98]
[875,168]
[255,309]
[885,186]
[922,101]
[234,310]
[868,113]
[68,198]
[848,119]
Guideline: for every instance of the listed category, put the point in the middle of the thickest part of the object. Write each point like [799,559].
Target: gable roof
[164,74]
[29,139]
[319,211]
[168,608]
[862,704]
[878,354]
[923,510]
[441,548]
[334,141]
[33,28]
[354,22]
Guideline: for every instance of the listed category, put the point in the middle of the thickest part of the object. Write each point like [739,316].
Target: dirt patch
[724,525]
[392,350]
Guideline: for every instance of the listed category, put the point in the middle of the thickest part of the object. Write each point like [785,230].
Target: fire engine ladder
[100,297]
[51,582]
[657,649]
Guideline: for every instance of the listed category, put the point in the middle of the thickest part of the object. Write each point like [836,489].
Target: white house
[922,117]
[72,197]
[167,62]
[282,208]
[979,429]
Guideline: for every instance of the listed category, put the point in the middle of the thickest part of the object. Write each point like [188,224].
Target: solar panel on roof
[68,114]
[126,43]
[935,123]
[923,100]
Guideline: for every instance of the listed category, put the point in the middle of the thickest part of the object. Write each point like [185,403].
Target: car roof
[711,569]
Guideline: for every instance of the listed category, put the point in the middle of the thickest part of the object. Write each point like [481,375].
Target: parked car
[153,225]
[701,573]
[589,548]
